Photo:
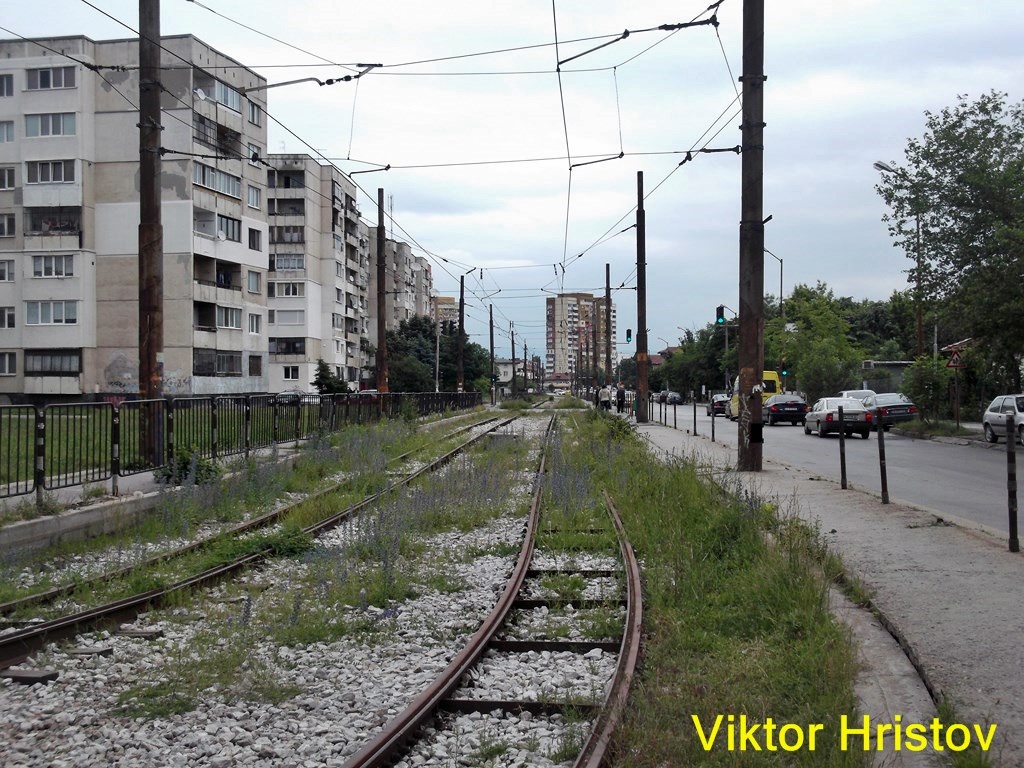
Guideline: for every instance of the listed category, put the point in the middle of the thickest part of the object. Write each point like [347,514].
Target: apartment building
[318,279]
[571,320]
[408,285]
[69,215]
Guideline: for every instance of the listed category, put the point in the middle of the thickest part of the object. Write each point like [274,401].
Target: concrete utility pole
[593,333]
[608,322]
[751,343]
[513,329]
[491,312]
[382,334]
[642,360]
[526,375]
[151,231]
[460,384]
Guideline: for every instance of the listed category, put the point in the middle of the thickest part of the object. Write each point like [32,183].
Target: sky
[480,138]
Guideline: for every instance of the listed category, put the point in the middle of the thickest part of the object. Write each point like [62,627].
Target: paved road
[956,479]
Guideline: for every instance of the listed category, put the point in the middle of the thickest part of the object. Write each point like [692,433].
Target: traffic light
[629,335]
[720,314]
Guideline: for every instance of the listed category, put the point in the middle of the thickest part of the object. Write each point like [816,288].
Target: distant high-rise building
[571,320]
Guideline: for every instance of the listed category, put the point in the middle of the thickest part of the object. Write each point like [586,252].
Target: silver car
[824,417]
[994,420]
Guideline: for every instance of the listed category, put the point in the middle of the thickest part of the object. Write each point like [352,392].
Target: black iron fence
[57,446]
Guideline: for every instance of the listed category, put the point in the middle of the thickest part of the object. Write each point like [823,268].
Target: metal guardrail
[57,446]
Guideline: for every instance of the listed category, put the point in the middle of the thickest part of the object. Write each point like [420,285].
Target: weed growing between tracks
[736,611]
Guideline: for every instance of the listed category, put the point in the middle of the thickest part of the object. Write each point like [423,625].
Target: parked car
[890,408]
[674,398]
[994,420]
[856,394]
[662,397]
[824,417]
[791,408]
[717,405]
[290,397]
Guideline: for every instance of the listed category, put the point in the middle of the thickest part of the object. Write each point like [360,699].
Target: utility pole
[460,375]
[151,233]
[437,350]
[526,375]
[593,333]
[382,296]
[751,321]
[607,322]
[491,312]
[642,360]
[512,328]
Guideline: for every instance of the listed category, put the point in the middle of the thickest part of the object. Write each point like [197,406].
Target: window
[254,197]
[206,176]
[254,113]
[255,365]
[288,234]
[51,313]
[228,96]
[254,154]
[53,362]
[255,323]
[52,77]
[51,124]
[6,270]
[254,278]
[275,290]
[6,131]
[255,240]
[232,228]
[337,321]
[287,346]
[46,171]
[7,178]
[54,221]
[291,373]
[6,225]
[8,364]
[229,317]
[6,317]
[229,363]
[6,85]
[286,316]
[284,261]
[204,130]
[53,266]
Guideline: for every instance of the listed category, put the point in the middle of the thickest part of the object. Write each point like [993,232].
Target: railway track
[17,646]
[452,691]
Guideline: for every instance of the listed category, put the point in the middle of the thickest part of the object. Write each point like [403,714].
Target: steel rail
[383,748]
[15,647]
[268,518]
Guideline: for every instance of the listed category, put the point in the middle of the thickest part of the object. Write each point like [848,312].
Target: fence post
[213,427]
[115,450]
[842,448]
[40,469]
[169,405]
[1011,481]
[881,461]
[247,425]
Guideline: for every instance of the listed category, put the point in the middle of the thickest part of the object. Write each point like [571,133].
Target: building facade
[574,321]
[408,285]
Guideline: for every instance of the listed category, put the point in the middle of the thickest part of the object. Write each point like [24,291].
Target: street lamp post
[883,167]
[782,308]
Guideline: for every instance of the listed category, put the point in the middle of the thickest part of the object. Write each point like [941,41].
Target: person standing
[604,397]
[620,398]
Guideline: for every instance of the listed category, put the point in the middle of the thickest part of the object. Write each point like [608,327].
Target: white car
[824,417]
[994,420]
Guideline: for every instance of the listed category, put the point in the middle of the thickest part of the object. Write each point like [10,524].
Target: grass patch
[925,429]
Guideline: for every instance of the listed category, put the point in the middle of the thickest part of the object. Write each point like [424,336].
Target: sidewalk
[951,597]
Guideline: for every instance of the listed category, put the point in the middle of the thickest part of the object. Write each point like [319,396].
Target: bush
[188,467]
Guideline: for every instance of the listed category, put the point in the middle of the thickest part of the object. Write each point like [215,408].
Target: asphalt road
[962,479]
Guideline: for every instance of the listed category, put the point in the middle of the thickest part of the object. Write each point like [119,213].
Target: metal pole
[842,448]
[642,360]
[751,287]
[881,462]
[437,353]
[460,383]
[512,328]
[608,322]
[1011,481]
[382,334]
[491,311]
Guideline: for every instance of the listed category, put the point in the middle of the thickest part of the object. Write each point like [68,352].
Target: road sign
[955,361]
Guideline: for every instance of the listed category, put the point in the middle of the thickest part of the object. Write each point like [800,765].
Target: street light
[883,167]
[782,309]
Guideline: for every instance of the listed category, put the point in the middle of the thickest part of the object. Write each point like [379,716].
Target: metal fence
[57,446]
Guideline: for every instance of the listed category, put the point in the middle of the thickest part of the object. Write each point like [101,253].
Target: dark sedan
[824,417]
[890,408]
[717,405]
[791,408]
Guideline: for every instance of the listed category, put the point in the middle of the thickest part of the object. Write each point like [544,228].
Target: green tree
[957,211]
[325,380]
[927,383]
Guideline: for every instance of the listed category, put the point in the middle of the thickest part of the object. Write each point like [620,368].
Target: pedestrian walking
[620,398]
[604,397]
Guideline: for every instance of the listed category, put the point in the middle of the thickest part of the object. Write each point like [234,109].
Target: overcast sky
[848,83]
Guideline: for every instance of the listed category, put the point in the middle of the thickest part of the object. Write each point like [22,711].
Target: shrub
[188,467]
